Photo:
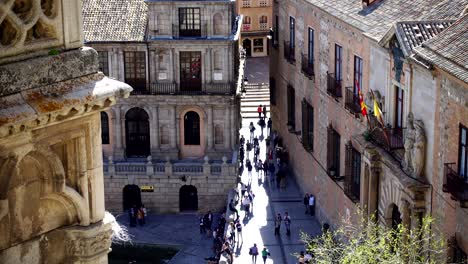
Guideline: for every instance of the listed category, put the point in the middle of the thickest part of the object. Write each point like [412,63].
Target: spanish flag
[378,112]
[361,100]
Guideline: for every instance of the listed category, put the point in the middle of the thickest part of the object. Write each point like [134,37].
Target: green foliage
[53,52]
[366,241]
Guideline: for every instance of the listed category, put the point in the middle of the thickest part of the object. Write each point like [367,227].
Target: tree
[366,241]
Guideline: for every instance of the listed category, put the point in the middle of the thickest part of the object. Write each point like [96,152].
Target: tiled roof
[380,16]
[447,10]
[449,49]
[114,20]
[411,34]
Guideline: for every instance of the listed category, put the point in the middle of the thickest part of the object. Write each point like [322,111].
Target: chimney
[366,3]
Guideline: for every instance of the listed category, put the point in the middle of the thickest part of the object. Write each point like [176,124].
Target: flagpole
[380,120]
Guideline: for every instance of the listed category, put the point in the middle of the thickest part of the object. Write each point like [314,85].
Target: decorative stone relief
[415,147]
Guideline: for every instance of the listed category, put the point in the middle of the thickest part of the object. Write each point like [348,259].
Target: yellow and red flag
[361,100]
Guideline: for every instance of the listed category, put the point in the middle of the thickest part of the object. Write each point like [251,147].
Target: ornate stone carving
[419,149]
[409,143]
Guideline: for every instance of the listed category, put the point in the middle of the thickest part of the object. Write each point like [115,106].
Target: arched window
[219,138]
[104,128]
[192,128]
[137,133]
[217,24]
[247,20]
[263,19]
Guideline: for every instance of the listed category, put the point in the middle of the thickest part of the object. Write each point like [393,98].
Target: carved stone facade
[51,180]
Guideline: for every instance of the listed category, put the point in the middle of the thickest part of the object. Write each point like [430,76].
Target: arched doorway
[247,45]
[188,198]
[191,128]
[137,134]
[396,216]
[131,196]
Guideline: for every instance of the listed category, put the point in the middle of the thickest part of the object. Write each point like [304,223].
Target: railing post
[111,167]
[168,167]
[224,167]
[206,166]
[149,167]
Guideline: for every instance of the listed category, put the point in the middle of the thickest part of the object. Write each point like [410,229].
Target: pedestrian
[232,207]
[264,111]
[287,223]
[131,218]
[140,216]
[143,209]
[227,252]
[246,204]
[243,189]
[253,251]
[278,224]
[255,142]
[239,230]
[259,110]
[209,222]
[269,124]
[248,164]
[265,254]
[306,203]
[300,259]
[241,154]
[252,130]
[242,140]
[232,233]
[312,205]
[249,147]
[265,168]
[260,168]
[272,169]
[251,196]
[202,225]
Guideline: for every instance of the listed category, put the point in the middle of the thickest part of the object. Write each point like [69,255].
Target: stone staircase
[256,94]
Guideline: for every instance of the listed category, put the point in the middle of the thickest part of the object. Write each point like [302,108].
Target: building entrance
[188,198]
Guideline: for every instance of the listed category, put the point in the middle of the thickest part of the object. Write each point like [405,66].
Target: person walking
[265,168]
[287,223]
[264,111]
[260,168]
[248,164]
[232,207]
[259,111]
[249,148]
[246,204]
[312,205]
[265,254]
[227,252]
[306,203]
[278,224]
[253,251]
[269,124]
[252,130]
[202,225]
[242,140]
[239,231]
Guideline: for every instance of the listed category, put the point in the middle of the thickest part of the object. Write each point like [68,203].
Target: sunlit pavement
[268,202]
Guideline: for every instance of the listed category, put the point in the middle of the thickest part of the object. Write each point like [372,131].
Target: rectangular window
[135,69]
[357,74]
[399,97]
[310,46]
[352,172]
[272,91]
[190,71]
[258,45]
[291,107]
[307,126]
[333,152]
[338,62]
[462,153]
[292,33]
[104,62]
[189,22]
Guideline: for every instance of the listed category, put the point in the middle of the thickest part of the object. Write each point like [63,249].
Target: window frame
[105,139]
[291,100]
[338,62]
[358,72]
[399,105]
[189,25]
[333,151]
[103,57]
[134,74]
[307,126]
[194,137]
[463,152]
[310,45]
[292,32]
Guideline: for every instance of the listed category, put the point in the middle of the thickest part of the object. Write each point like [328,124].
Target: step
[252,104]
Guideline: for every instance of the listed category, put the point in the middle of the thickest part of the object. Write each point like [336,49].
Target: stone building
[177,132]
[255,25]
[51,96]
[329,52]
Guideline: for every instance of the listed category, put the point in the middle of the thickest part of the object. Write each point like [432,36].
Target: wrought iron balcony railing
[352,101]
[333,86]
[289,52]
[171,88]
[307,66]
[180,33]
[455,184]
[387,137]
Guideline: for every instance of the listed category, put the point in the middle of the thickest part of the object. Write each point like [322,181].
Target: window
[245,3]
[310,47]
[137,133]
[462,153]
[272,91]
[352,172]
[135,69]
[263,23]
[357,74]
[338,62]
[263,3]
[291,107]
[258,45]
[333,152]
[292,33]
[104,128]
[190,71]
[191,128]
[219,139]
[189,22]
[104,62]
[307,125]
[263,19]
[399,96]
[246,25]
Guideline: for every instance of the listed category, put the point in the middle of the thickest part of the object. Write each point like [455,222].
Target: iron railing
[172,88]
[454,183]
[333,86]
[179,33]
[352,101]
[289,52]
[387,137]
[307,66]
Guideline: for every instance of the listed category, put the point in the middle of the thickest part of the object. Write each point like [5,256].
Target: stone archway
[188,198]
[137,133]
[192,133]
[131,196]
[247,45]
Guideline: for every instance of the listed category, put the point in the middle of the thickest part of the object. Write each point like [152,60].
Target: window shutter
[329,147]
[305,125]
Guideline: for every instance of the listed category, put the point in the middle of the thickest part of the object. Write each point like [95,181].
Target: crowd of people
[137,215]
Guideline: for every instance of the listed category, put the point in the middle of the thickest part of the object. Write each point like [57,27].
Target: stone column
[118,121]
[233,128]
[152,67]
[210,128]
[227,130]
[155,132]
[175,139]
[121,68]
